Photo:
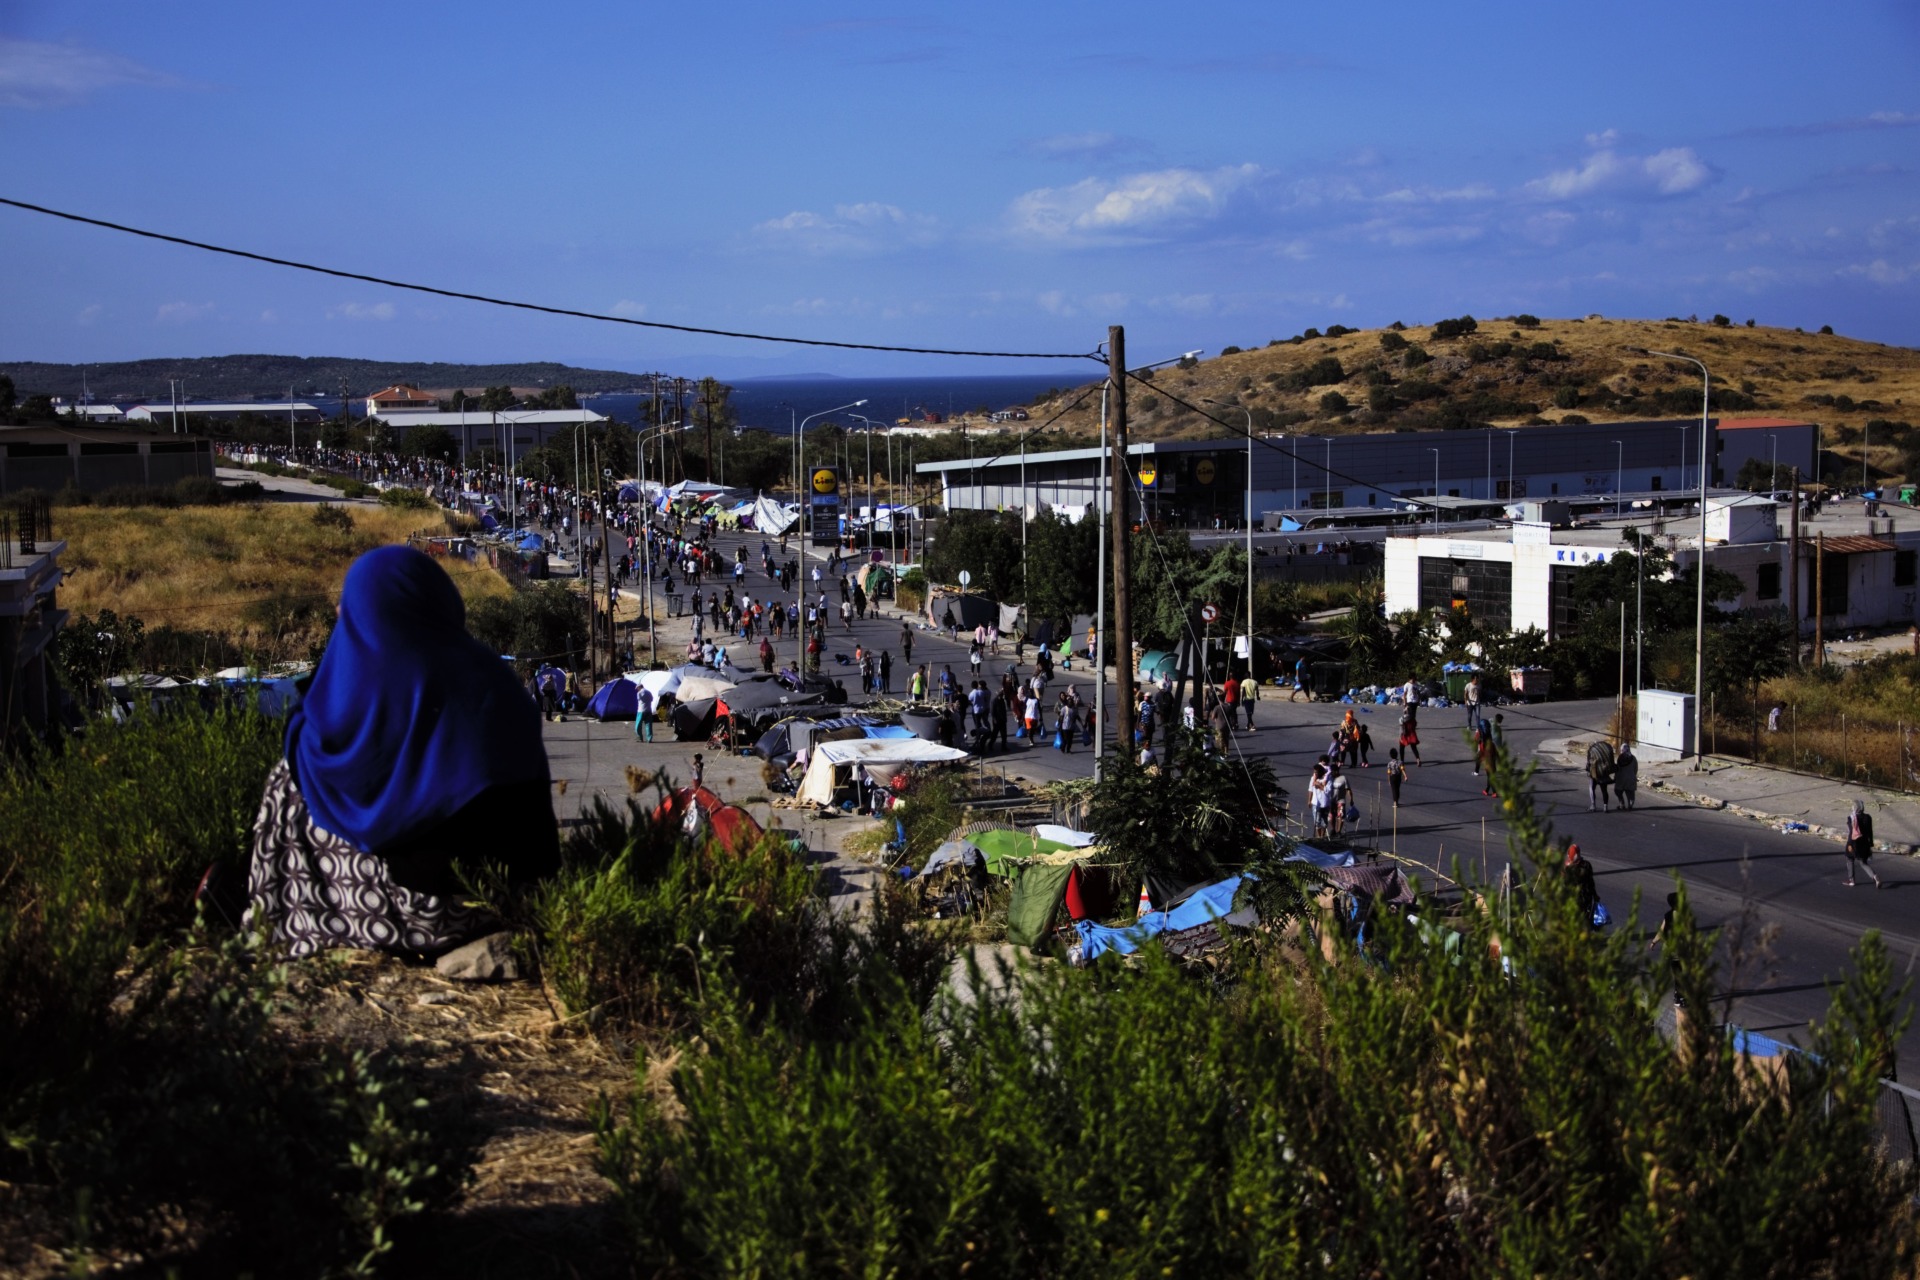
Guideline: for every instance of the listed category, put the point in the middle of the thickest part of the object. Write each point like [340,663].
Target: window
[1556,486]
[1483,587]
[1657,486]
[1903,568]
[1767,582]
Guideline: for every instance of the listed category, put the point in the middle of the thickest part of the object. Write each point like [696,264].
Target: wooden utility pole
[1793,565]
[1820,598]
[1122,506]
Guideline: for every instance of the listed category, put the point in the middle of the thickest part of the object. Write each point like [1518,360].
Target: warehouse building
[94,458]
[1199,483]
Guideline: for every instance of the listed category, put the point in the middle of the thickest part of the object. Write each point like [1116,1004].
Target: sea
[778,404]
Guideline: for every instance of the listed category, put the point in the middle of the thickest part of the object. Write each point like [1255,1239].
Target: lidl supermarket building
[1201,482]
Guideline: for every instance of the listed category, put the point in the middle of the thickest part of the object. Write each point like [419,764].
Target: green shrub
[1566,397]
[1390,341]
[544,621]
[1525,321]
[1425,1110]
[1333,404]
[329,516]
[1458,327]
[410,499]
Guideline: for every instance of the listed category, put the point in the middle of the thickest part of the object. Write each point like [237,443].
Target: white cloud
[869,227]
[182,312]
[88,314]
[1093,145]
[269,316]
[1607,171]
[1880,271]
[36,74]
[361,311]
[629,308]
[1135,205]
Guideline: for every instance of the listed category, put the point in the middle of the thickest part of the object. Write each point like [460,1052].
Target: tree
[436,443]
[557,397]
[984,543]
[493,399]
[1567,397]
[1391,341]
[1747,650]
[7,394]
[1188,817]
[1061,573]
[1334,404]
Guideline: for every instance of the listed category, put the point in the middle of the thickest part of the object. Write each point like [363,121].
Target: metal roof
[1851,544]
[482,417]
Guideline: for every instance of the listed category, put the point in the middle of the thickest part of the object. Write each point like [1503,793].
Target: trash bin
[1457,685]
[675,604]
[1329,679]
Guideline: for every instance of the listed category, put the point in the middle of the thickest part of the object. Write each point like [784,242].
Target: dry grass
[236,571]
[1783,367]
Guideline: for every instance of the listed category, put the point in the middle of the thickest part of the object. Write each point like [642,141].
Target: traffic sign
[1209,614]
[966,579]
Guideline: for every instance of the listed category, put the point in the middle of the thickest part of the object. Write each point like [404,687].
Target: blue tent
[487,521]
[533,542]
[616,700]
[629,493]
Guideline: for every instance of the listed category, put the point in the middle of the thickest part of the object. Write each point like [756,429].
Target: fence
[1856,747]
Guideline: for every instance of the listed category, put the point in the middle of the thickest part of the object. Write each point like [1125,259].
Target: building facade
[30,618]
[1201,482]
[96,458]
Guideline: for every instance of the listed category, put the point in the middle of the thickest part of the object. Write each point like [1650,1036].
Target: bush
[545,621]
[328,516]
[1566,397]
[1525,321]
[1333,404]
[1455,328]
[1390,341]
[1416,356]
[1230,351]
[1826,329]
[1721,322]
[411,499]
[141,1082]
[1410,1107]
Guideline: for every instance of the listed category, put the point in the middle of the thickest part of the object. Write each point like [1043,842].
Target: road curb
[1776,820]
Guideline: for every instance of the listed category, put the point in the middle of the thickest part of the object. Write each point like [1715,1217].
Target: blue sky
[1015,177]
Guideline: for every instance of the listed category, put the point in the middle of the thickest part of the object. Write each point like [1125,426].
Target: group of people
[1613,777]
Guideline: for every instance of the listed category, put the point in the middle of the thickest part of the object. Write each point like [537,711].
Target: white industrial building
[514,430]
[1854,565]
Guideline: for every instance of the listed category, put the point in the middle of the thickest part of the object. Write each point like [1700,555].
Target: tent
[699,812]
[969,610]
[702,688]
[773,518]
[1206,904]
[630,492]
[532,542]
[1158,664]
[692,720]
[1001,844]
[875,579]
[1078,879]
[883,758]
[617,699]
[1063,835]
[788,736]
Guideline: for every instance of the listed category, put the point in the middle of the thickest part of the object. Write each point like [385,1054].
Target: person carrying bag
[1859,846]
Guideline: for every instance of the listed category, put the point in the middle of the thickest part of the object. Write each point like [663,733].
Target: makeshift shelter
[703,688]
[791,735]
[882,758]
[1002,844]
[617,699]
[692,719]
[969,611]
[876,580]
[1208,904]
[773,518]
[699,812]
[1078,879]
[532,542]
[1066,836]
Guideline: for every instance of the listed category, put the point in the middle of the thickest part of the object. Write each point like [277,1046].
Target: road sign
[1209,614]
[966,579]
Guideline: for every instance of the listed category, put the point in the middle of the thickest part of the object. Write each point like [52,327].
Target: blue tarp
[1214,901]
[629,493]
[1319,858]
[616,700]
[488,523]
[533,542]
[887,731]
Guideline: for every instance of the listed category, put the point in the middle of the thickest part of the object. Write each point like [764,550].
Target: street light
[806,528]
[1700,568]
[873,512]
[1436,485]
[646,542]
[1249,414]
[1619,475]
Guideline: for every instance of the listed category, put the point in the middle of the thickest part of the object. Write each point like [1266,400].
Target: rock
[489,959]
[437,997]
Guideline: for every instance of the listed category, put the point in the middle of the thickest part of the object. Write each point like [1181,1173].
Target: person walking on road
[1859,845]
[1249,694]
[1302,680]
[1410,733]
[1473,700]
[1396,774]
[906,643]
[886,672]
[1626,776]
[699,770]
[1599,775]
[643,714]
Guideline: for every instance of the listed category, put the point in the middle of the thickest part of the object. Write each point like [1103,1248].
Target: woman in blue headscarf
[413,746]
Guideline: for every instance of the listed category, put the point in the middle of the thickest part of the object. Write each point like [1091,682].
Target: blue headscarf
[408,717]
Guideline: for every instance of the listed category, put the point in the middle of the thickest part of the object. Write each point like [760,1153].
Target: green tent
[1038,888]
[1002,843]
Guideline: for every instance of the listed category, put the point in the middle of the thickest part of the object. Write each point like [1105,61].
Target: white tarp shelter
[773,518]
[882,757]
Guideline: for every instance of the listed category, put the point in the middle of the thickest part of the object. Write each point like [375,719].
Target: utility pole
[1820,598]
[1122,504]
[1793,563]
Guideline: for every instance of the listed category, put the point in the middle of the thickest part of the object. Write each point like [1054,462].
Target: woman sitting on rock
[412,746]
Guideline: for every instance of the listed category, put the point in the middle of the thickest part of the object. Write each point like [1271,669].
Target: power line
[534,306]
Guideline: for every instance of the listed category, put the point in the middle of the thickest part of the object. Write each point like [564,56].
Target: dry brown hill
[1522,371]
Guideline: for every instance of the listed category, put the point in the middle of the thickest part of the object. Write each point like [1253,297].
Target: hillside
[243,377]
[1517,372]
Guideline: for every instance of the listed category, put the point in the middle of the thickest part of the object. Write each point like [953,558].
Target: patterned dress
[315,890]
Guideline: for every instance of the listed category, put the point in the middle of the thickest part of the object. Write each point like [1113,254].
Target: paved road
[1791,881]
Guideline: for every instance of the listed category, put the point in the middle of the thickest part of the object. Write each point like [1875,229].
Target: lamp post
[1249,414]
[1773,468]
[646,541]
[1329,471]
[1619,475]
[806,529]
[1700,567]
[1436,485]
[873,512]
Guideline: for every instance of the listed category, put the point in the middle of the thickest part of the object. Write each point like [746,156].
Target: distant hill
[245,377]
[1519,371]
